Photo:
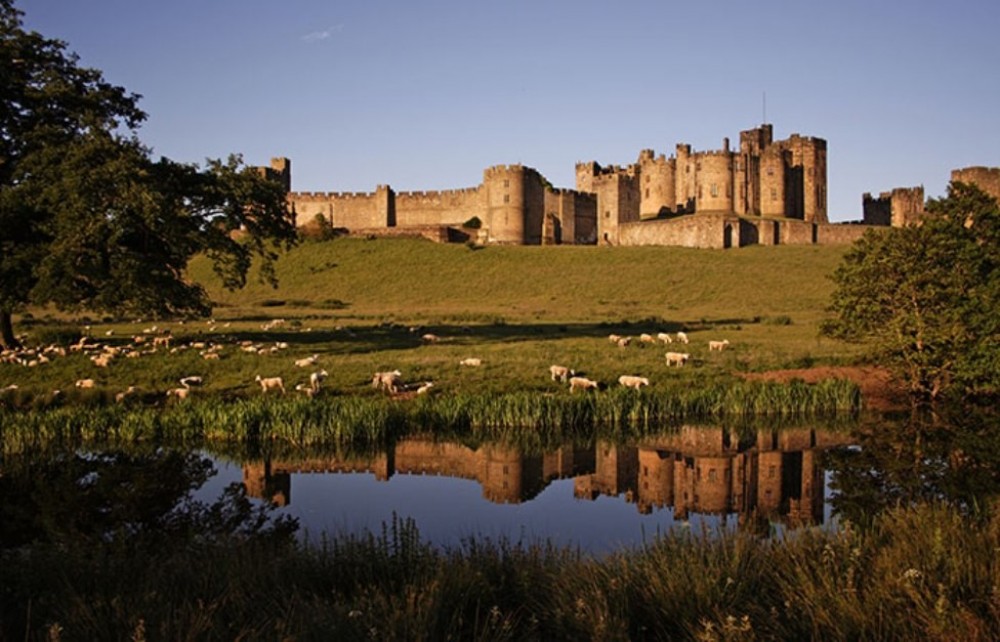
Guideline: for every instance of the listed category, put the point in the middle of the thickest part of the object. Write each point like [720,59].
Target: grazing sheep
[85,383]
[471,361]
[718,345]
[614,338]
[560,373]
[211,356]
[125,394]
[270,383]
[425,387]
[161,341]
[430,338]
[390,381]
[677,358]
[187,382]
[623,342]
[317,378]
[633,382]
[180,393]
[664,337]
[646,338]
[308,361]
[682,337]
[582,383]
[307,390]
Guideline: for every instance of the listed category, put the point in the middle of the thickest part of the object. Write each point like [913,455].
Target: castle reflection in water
[771,474]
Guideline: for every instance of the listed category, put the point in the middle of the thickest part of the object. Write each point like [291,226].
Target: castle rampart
[899,207]
[985,178]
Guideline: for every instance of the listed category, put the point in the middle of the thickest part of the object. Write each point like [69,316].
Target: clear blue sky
[425,95]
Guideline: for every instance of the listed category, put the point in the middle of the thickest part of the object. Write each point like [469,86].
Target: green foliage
[88,220]
[924,298]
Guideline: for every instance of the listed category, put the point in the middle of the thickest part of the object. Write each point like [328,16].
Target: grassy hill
[519,309]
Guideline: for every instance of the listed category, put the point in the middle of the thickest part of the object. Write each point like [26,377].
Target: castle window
[647,192]
[506,183]
[506,198]
[774,194]
[770,171]
[711,474]
[715,189]
[607,215]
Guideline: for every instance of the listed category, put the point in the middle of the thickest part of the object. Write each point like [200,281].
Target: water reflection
[759,477]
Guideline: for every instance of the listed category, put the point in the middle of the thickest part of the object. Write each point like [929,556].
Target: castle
[767,192]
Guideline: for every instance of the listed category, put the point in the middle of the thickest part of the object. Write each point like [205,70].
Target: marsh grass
[360,422]
[923,572]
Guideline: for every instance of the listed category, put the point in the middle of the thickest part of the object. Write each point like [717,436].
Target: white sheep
[623,342]
[307,390]
[430,338]
[271,383]
[85,383]
[646,338]
[390,381]
[682,337]
[316,379]
[128,392]
[471,361]
[306,362]
[664,337]
[630,381]
[614,338]
[582,383]
[560,373]
[677,358]
[718,345]
[180,393]
[425,387]
[192,380]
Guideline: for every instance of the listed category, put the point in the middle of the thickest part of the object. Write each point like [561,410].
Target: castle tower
[753,142]
[806,191]
[505,203]
[656,184]
[985,178]
[714,181]
[773,198]
[684,178]
[281,169]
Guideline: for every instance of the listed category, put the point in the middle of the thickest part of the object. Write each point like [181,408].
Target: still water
[598,498]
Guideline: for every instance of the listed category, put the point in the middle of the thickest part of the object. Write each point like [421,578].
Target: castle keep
[766,192]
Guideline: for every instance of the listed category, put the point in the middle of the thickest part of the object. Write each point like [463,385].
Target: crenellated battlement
[329,196]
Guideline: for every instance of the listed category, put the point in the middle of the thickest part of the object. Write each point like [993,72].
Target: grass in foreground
[920,573]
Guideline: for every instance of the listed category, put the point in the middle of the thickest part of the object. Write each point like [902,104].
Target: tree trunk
[7,338]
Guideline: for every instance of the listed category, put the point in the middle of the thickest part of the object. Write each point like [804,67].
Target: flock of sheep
[578,382]
[154,339]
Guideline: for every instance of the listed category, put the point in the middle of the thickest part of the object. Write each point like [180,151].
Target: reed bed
[924,572]
[367,421]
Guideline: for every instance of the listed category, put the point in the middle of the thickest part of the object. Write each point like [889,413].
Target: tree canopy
[925,297]
[88,220]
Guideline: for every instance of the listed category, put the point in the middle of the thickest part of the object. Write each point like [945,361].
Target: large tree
[925,298]
[88,219]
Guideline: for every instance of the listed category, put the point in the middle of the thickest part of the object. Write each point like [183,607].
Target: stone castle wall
[985,178]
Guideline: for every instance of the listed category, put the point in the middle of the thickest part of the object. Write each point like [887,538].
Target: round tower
[715,182]
[505,210]
[656,185]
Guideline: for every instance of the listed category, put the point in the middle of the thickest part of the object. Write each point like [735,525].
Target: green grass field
[353,302]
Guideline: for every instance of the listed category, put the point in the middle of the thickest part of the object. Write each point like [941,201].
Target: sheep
[582,383]
[430,338]
[270,383]
[163,340]
[677,358]
[560,373]
[471,361]
[307,390]
[614,338]
[387,380]
[317,378]
[664,337]
[211,356]
[102,360]
[306,362]
[718,345]
[180,393]
[633,382]
[192,380]
[682,337]
[425,387]
[122,396]
[623,342]
[85,383]
[646,338]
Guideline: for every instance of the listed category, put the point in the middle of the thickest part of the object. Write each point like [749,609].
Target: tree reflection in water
[134,498]
[951,455]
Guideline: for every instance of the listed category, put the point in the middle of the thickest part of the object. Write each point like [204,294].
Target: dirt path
[879,390]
